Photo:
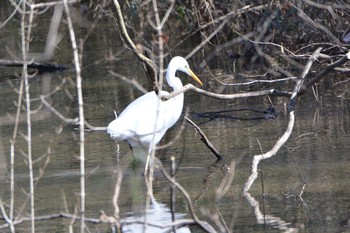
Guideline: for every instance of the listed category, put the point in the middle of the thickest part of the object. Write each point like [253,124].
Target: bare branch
[314,24]
[151,68]
[322,74]
[81,115]
[207,39]
[282,140]
[130,81]
[25,35]
[52,109]
[205,140]
[226,96]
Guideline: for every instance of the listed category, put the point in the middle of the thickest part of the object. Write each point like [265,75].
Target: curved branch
[149,66]
[283,139]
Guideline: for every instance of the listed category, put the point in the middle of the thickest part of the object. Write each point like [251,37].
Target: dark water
[317,152]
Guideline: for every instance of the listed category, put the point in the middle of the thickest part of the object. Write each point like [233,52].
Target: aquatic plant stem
[81,116]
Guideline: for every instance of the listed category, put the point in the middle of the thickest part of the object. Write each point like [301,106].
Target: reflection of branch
[204,225]
[116,196]
[205,140]
[5,216]
[175,224]
[36,180]
[226,181]
[261,218]
[115,219]
[52,216]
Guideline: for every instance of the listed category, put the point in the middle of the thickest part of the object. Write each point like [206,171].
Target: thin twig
[70,120]
[207,39]
[12,153]
[129,80]
[314,24]
[57,113]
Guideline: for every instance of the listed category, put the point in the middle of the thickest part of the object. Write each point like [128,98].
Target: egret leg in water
[144,121]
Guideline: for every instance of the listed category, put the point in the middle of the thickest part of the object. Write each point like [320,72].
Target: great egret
[144,121]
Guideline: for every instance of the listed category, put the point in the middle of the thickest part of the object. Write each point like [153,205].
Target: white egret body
[144,121]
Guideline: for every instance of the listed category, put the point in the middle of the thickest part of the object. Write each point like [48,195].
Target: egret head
[180,64]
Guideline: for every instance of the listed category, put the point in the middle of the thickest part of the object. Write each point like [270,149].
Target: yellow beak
[194,76]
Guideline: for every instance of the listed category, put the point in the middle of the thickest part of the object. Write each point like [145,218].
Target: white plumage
[144,122]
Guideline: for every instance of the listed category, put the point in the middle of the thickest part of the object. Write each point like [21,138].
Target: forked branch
[288,132]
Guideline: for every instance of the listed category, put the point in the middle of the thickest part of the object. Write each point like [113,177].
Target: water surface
[317,153]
